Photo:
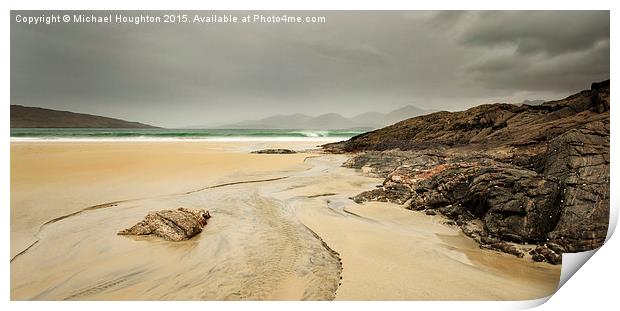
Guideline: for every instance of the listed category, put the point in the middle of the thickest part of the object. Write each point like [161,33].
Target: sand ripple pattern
[253,248]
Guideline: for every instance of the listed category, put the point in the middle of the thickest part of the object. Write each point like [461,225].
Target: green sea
[178,134]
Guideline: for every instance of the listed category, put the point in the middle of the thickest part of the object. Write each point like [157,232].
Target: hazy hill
[367,120]
[377,119]
[534,102]
[33,117]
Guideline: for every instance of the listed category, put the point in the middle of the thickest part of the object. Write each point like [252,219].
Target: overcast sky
[176,75]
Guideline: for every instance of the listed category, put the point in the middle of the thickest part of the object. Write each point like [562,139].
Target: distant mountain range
[34,117]
[535,102]
[367,120]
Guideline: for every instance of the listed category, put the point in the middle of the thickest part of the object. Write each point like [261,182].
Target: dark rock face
[514,203]
[173,225]
[274,151]
[580,159]
[528,174]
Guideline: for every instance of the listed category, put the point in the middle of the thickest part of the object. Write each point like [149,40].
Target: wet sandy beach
[282,228]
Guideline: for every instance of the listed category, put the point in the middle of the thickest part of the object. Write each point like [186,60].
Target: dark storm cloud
[535,51]
[531,51]
[178,75]
[539,32]
[561,72]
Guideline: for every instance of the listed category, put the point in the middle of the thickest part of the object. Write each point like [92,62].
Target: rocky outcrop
[493,125]
[524,174]
[173,225]
[274,151]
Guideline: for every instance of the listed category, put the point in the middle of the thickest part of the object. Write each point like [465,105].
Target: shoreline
[277,226]
[390,253]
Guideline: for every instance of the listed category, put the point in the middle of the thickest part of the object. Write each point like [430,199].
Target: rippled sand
[281,226]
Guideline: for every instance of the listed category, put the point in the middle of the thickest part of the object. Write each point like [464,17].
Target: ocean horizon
[110,134]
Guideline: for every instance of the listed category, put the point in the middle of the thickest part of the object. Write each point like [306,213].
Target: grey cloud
[178,75]
[566,71]
[544,31]
[545,51]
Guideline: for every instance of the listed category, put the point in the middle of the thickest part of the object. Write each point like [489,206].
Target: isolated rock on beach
[275,151]
[173,225]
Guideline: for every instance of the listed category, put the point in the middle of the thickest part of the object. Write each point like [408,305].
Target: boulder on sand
[173,225]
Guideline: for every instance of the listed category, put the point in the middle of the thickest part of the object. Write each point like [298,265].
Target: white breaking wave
[182,139]
[313,133]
